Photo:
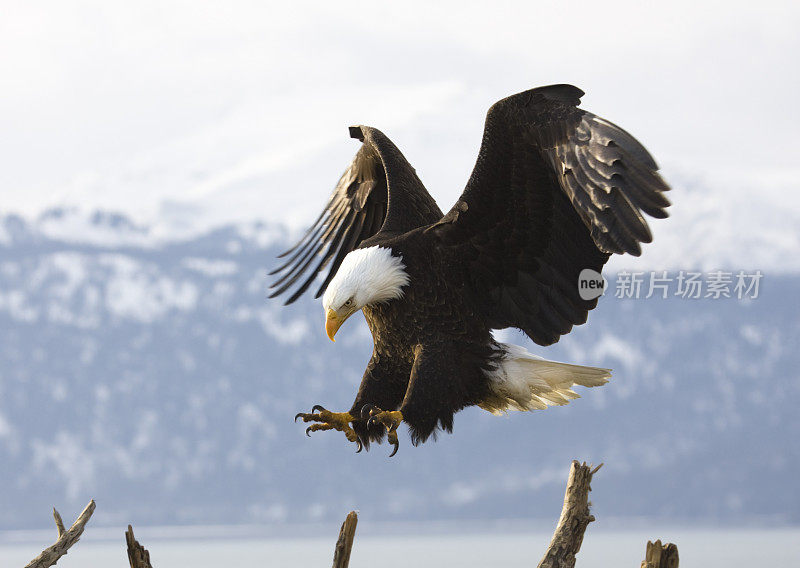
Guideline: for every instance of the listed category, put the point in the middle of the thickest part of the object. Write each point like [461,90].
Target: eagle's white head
[366,277]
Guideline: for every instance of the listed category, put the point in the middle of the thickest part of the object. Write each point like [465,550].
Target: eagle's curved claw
[317,408]
[396,445]
[308,431]
[360,446]
[368,410]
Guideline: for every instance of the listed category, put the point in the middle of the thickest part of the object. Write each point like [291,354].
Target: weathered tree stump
[575,517]
[341,554]
[660,555]
[138,556]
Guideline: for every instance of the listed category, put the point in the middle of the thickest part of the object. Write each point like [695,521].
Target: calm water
[601,548]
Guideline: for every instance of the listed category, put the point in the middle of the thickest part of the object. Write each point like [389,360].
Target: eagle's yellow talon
[327,420]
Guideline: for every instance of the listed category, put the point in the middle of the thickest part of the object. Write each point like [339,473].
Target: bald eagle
[555,190]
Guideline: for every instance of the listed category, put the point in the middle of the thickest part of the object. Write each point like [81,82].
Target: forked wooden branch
[575,517]
[138,556]
[66,538]
[341,554]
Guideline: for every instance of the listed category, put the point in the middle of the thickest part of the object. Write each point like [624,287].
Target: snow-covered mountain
[156,377]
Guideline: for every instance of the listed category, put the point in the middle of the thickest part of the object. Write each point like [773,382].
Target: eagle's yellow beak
[332,324]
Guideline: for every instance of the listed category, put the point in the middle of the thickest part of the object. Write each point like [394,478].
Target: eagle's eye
[348,303]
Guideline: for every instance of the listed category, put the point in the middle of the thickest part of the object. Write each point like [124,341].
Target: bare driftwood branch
[66,538]
[138,556]
[341,555]
[660,555]
[575,517]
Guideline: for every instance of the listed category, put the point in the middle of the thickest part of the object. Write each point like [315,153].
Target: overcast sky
[130,106]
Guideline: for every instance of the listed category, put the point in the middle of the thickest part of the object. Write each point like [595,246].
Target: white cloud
[192,114]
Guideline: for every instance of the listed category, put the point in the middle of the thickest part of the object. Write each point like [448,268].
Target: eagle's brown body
[555,190]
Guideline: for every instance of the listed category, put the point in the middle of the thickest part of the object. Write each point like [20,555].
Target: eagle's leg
[326,420]
[389,419]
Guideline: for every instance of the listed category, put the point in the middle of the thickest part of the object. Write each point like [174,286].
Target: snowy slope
[153,375]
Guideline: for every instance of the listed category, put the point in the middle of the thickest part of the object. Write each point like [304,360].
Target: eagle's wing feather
[555,190]
[379,191]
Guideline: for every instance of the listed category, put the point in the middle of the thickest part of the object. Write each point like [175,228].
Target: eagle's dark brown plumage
[555,190]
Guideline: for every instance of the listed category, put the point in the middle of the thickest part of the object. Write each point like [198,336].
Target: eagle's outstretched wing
[555,190]
[379,178]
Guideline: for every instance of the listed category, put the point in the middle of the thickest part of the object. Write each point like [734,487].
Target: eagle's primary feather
[555,190]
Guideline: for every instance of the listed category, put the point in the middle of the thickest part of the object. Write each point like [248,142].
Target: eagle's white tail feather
[524,381]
